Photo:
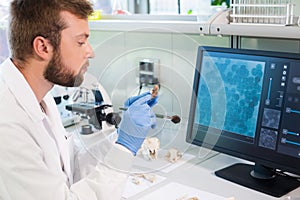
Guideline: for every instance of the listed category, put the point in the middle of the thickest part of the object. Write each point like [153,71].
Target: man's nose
[90,51]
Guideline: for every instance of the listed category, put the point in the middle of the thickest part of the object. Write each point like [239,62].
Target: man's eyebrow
[85,35]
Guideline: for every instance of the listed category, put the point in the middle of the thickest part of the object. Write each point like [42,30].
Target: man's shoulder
[4,92]
[8,104]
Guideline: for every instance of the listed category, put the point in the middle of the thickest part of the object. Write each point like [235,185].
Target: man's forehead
[78,27]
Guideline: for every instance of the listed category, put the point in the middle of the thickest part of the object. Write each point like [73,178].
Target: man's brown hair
[32,18]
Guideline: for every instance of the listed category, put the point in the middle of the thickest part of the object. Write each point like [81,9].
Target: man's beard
[58,73]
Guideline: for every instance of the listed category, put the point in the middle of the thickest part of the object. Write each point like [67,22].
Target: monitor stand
[275,184]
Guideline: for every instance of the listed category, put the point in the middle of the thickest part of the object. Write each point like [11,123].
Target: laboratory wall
[297,7]
[117,57]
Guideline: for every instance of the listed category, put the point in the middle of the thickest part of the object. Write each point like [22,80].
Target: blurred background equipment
[280,12]
[88,104]
[4,49]
[95,110]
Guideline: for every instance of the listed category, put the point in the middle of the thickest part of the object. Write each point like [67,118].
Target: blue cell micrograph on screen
[232,86]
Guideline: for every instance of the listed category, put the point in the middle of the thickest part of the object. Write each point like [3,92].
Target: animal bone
[136,180]
[154,91]
[186,198]
[173,155]
[149,148]
[149,177]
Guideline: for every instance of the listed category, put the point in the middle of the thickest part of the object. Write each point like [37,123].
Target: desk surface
[198,173]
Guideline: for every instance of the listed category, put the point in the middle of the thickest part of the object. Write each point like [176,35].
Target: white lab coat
[36,156]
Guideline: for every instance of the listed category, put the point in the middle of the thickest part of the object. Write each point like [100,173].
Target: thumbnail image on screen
[238,82]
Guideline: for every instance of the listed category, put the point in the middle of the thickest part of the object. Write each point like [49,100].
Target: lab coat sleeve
[26,176]
[86,154]
[108,179]
[3,191]
[112,162]
[23,171]
[83,160]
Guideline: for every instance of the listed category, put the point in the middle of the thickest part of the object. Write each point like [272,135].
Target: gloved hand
[136,121]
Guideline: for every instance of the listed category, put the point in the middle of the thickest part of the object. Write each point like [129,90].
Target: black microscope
[94,112]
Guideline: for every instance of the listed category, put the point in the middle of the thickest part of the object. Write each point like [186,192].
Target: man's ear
[42,48]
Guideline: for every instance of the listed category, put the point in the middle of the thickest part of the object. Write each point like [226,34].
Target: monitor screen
[246,103]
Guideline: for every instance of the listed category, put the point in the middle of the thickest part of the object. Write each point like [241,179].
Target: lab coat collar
[19,87]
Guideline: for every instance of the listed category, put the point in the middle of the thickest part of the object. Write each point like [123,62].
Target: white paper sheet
[176,191]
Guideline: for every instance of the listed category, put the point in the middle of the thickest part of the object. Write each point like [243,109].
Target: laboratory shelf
[270,31]
[162,26]
[220,26]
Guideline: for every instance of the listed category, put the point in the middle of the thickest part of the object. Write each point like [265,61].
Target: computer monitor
[246,103]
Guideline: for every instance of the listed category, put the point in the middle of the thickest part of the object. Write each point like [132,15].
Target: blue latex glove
[137,121]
